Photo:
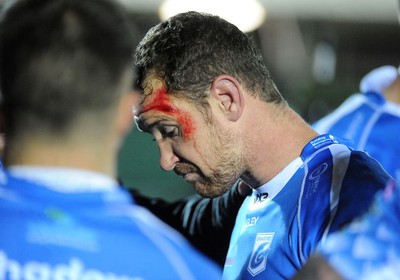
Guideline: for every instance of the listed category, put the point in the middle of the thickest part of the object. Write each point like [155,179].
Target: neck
[88,156]
[392,92]
[274,142]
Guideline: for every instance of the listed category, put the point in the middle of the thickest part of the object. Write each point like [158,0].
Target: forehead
[158,105]
[156,96]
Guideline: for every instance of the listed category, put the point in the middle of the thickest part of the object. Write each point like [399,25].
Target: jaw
[214,186]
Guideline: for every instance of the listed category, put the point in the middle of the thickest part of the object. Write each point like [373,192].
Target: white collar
[66,180]
[276,184]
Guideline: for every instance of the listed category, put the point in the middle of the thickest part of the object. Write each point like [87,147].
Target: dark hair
[59,58]
[191,49]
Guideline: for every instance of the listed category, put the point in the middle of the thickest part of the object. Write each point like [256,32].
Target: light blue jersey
[369,249]
[69,224]
[372,123]
[281,224]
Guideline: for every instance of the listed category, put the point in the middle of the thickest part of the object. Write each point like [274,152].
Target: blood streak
[161,102]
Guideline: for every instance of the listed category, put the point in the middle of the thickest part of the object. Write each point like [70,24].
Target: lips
[183,169]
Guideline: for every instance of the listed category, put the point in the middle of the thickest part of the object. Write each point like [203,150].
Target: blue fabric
[282,223]
[88,235]
[370,247]
[372,123]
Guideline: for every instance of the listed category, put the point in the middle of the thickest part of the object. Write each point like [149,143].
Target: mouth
[188,172]
[191,177]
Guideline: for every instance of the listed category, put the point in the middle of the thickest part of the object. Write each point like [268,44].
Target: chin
[208,190]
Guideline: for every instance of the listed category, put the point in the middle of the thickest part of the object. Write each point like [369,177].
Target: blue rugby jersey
[281,224]
[372,123]
[369,249]
[79,226]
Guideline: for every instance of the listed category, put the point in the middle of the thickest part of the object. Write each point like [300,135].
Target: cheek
[193,152]
[201,156]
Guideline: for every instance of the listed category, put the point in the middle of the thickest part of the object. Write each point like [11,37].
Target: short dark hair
[189,50]
[59,58]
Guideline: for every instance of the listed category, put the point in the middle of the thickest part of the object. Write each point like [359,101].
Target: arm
[206,222]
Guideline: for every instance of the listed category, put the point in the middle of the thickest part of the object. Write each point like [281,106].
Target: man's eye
[169,131]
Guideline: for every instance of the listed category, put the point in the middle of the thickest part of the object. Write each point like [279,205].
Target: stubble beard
[228,165]
[216,185]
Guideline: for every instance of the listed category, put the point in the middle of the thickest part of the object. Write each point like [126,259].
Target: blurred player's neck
[90,156]
[392,92]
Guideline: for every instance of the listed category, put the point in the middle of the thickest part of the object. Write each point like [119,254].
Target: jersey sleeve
[364,178]
[369,248]
[335,192]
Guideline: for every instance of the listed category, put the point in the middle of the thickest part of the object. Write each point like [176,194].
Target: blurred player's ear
[124,118]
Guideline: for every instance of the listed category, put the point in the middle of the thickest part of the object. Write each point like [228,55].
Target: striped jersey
[279,226]
[369,249]
[372,123]
[70,224]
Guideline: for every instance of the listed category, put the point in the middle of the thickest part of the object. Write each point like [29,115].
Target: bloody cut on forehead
[161,102]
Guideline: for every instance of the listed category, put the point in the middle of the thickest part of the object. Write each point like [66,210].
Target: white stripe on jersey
[349,105]
[341,158]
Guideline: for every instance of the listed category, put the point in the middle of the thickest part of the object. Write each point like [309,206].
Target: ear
[125,114]
[228,93]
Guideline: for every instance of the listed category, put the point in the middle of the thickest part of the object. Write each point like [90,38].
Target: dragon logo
[261,248]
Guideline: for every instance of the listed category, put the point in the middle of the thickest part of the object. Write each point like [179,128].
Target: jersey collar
[67,180]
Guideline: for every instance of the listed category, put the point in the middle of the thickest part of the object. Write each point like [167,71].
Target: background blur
[317,52]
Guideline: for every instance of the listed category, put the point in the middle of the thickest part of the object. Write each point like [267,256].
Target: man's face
[202,152]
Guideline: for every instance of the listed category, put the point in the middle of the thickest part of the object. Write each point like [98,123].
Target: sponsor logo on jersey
[261,197]
[318,171]
[314,179]
[251,221]
[34,270]
[258,201]
[322,140]
[261,248]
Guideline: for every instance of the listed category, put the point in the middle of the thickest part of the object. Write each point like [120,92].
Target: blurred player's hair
[61,59]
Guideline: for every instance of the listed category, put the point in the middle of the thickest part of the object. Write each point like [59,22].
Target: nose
[168,158]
